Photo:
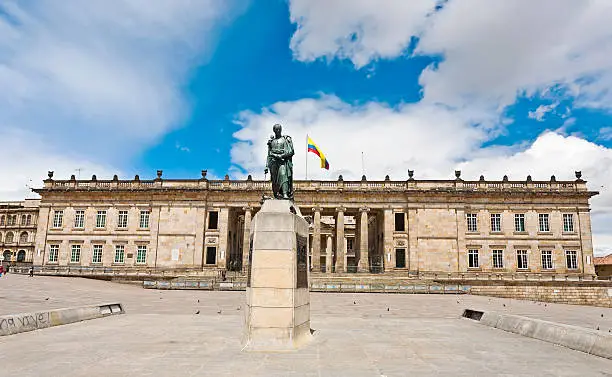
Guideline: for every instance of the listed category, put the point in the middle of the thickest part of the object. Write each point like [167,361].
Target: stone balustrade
[314,185]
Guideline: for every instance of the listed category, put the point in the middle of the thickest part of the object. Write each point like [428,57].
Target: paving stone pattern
[356,335]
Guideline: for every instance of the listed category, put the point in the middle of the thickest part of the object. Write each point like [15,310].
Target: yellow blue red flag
[312,147]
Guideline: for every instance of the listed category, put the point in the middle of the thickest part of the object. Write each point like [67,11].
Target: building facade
[18,222]
[395,227]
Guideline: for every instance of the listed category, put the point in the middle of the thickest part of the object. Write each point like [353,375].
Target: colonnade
[373,233]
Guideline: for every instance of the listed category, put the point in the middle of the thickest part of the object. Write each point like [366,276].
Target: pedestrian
[31,271]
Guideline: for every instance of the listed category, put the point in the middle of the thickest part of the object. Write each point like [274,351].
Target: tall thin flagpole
[362,165]
[306,156]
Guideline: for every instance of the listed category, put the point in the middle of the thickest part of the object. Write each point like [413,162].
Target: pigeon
[219,311]
[601,315]
[457,301]
[238,308]
[387,309]
[47,299]
[198,300]
[597,327]
[198,312]
[354,302]
[504,305]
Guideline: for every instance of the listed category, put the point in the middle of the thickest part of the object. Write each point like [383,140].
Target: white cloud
[100,80]
[359,30]
[342,131]
[541,111]
[27,158]
[491,50]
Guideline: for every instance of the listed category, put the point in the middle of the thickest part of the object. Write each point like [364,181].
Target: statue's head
[277,129]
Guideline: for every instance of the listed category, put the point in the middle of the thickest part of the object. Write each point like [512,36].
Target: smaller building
[603,267]
[18,222]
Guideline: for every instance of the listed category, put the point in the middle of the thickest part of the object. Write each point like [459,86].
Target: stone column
[584,227]
[364,265]
[388,252]
[329,256]
[41,250]
[316,240]
[246,238]
[200,241]
[224,241]
[340,250]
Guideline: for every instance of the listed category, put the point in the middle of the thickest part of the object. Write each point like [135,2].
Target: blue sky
[131,86]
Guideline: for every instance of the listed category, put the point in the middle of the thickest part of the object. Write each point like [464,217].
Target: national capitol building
[405,228]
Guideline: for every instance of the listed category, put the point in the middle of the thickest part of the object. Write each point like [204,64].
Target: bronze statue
[280,152]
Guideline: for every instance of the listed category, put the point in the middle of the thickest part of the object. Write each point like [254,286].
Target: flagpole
[306,156]
[362,167]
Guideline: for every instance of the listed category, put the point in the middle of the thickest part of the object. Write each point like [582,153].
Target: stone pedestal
[278,302]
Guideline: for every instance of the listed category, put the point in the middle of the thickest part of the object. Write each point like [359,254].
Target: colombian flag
[312,147]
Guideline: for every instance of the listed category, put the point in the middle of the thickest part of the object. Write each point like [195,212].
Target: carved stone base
[278,301]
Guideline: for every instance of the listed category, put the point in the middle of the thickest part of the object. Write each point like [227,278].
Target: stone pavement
[355,335]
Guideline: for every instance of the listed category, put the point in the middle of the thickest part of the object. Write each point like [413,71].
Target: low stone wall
[574,293]
[22,322]
[574,337]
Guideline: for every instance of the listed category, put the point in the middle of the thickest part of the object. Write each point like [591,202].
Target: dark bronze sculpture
[280,152]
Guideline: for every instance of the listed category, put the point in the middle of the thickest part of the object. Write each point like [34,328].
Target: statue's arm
[289,152]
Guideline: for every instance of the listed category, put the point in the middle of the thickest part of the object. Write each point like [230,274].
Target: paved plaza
[355,335]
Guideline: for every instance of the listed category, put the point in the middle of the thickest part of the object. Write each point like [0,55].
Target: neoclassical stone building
[394,227]
[18,222]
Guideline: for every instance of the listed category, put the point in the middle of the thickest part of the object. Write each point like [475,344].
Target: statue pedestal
[278,302]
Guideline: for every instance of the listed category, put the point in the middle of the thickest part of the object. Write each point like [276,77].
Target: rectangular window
[543,222]
[498,258]
[471,222]
[58,219]
[350,243]
[213,219]
[571,259]
[547,263]
[122,221]
[97,254]
[75,254]
[101,219]
[521,259]
[79,219]
[473,261]
[495,222]
[400,225]
[211,255]
[568,222]
[519,222]
[144,219]
[141,254]
[53,253]
[400,258]
[119,253]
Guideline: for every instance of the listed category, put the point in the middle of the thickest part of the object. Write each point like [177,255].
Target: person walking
[31,271]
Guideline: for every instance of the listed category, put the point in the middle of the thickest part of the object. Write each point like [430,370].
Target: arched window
[21,256]
[23,237]
[23,219]
[2,220]
[7,255]
[14,219]
[9,237]
[0,237]
[29,220]
[10,220]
